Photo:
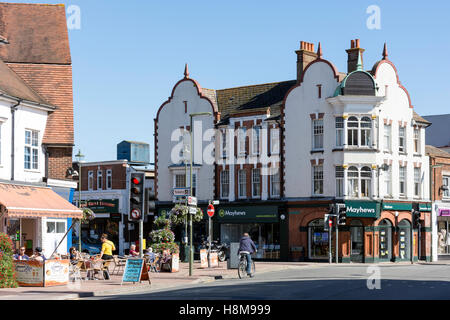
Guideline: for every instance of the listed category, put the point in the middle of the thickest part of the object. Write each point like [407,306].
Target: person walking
[247,245]
[106,254]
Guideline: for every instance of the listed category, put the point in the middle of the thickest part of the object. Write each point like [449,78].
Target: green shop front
[266,225]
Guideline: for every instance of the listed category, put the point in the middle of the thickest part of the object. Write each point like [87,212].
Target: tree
[7,270]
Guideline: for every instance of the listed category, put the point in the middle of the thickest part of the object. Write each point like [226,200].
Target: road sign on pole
[210,211]
[192,201]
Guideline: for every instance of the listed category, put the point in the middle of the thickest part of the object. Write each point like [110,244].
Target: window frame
[339,126]
[446,193]
[256,139]
[401,139]
[90,180]
[100,178]
[242,184]
[317,132]
[274,136]
[274,182]
[339,175]
[242,137]
[256,185]
[225,177]
[32,146]
[387,128]
[416,140]
[317,177]
[402,179]
[109,179]
[417,182]
[388,182]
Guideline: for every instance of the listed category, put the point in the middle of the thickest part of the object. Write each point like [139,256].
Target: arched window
[366,182]
[352,133]
[385,228]
[352,177]
[366,127]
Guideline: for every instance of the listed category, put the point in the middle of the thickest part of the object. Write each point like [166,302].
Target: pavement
[159,281]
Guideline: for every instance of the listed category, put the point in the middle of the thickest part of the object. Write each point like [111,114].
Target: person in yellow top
[107,248]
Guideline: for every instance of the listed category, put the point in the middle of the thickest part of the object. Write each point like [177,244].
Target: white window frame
[225,184]
[401,139]
[367,182]
[317,176]
[90,180]
[446,182]
[365,131]
[317,134]
[256,183]
[274,141]
[353,182]
[417,182]
[109,179]
[179,180]
[242,135]
[274,181]
[402,178]
[242,184]
[339,125]
[416,140]
[100,178]
[387,137]
[256,140]
[32,146]
[388,182]
[339,174]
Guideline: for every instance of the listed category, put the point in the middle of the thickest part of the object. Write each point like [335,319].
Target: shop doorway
[385,230]
[443,236]
[55,229]
[317,240]
[357,241]
[404,239]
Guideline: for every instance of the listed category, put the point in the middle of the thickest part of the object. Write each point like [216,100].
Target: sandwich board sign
[135,271]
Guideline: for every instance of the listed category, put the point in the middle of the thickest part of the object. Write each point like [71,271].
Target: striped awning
[20,201]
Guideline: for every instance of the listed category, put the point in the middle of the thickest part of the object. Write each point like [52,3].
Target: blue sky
[128,55]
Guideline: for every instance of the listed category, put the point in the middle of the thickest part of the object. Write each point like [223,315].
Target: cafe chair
[75,271]
[119,264]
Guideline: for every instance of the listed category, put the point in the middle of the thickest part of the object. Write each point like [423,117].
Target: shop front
[264,224]
[443,229]
[35,217]
[107,219]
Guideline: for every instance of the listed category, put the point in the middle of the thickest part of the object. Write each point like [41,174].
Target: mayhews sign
[363,209]
[250,213]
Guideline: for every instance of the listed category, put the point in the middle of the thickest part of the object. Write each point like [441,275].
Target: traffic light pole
[337,239]
[141,236]
[412,236]
[330,255]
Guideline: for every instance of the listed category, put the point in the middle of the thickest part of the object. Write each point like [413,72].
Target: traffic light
[416,218]
[341,212]
[328,219]
[136,196]
[151,202]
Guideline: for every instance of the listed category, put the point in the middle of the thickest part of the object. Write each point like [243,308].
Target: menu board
[203,258]
[133,270]
[56,272]
[29,273]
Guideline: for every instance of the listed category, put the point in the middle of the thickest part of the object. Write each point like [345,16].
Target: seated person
[21,255]
[133,252]
[74,255]
[150,254]
[38,255]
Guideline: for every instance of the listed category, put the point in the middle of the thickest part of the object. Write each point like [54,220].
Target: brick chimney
[353,53]
[305,55]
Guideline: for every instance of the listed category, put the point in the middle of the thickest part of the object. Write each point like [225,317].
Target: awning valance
[35,202]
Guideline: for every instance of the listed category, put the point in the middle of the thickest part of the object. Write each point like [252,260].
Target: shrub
[7,270]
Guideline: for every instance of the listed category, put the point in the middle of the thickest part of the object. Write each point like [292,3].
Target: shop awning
[35,202]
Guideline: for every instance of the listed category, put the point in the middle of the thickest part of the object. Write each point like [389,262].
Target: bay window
[359,182]
[366,182]
[366,129]
[339,131]
[352,177]
[359,132]
[352,132]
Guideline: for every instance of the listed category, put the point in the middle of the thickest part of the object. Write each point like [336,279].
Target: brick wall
[59,160]
[436,176]
[119,176]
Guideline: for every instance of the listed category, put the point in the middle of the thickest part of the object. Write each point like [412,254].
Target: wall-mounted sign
[444,212]
[362,209]
[102,206]
[250,213]
[397,206]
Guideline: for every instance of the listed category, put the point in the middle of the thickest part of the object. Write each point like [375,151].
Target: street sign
[210,210]
[192,201]
[192,210]
[136,214]
[180,191]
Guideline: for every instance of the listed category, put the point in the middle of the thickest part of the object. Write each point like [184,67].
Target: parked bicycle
[242,268]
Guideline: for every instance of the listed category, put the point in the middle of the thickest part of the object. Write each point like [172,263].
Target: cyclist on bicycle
[247,246]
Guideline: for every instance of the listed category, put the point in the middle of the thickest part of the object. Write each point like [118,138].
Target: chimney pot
[305,56]
[357,43]
[352,44]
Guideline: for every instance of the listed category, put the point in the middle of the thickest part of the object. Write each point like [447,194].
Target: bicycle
[242,267]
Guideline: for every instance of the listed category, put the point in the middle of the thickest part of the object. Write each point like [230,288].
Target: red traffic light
[135,180]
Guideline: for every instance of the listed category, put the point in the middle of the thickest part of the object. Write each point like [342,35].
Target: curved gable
[376,72]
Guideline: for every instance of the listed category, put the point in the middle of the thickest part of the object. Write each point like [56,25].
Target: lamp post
[79,157]
[191,252]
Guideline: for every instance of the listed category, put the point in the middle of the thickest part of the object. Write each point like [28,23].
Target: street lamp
[191,252]
[79,157]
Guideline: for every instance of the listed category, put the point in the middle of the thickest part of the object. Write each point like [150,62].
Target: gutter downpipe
[13,124]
